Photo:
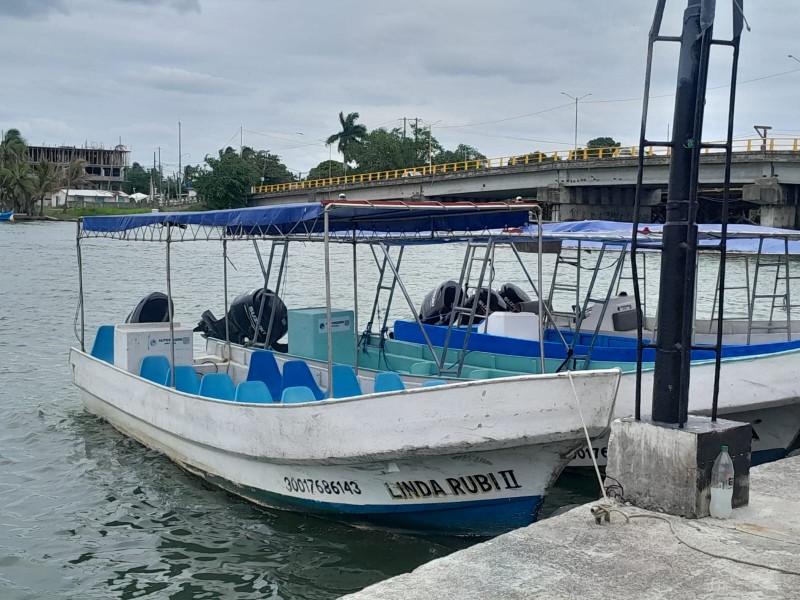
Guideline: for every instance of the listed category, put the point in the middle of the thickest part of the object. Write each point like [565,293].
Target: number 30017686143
[320,486]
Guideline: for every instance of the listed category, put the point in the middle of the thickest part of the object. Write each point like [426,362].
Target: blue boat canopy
[740,238]
[365,219]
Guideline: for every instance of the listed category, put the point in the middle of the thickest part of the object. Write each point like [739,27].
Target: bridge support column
[578,203]
[773,198]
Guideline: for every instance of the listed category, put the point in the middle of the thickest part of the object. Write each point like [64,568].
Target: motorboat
[472,457]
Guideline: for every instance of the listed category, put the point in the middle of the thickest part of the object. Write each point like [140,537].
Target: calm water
[87,513]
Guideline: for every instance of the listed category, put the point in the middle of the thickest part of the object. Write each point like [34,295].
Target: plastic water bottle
[722,486]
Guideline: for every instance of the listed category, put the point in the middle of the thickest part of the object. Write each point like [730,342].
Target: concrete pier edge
[650,555]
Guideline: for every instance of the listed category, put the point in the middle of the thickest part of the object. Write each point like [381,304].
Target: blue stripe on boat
[475,518]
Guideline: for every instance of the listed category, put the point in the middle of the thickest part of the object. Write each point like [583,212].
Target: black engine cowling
[488,301]
[514,296]
[243,320]
[152,309]
[439,303]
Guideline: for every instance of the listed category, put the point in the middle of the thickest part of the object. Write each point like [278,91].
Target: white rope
[588,440]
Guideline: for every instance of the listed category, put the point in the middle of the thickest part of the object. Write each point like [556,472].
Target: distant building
[105,168]
[87,197]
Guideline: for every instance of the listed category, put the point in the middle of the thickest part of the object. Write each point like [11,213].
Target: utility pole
[577,99]
[679,246]
[180,170]
[160,177]
[241,141]
[404,128]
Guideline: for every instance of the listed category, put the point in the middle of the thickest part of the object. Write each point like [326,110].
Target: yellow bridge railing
[582,154]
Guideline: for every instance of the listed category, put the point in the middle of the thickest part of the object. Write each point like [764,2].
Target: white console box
[524,326]
[134,341]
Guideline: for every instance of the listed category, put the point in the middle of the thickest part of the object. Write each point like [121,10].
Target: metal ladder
[780,297]
[380,287]
[745,287]
[599,302]
[567,257]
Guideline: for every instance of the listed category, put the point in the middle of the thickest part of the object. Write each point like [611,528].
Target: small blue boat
[7,216]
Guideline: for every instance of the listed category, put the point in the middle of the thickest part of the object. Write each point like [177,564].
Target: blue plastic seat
[264,367]
[433,382]
[255,392]
[345,382]
[186,379]
[297,393]
[154,368]
[217,385]
[103,346]
[388,382]
[297,374]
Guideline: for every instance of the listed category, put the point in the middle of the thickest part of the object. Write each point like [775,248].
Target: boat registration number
[321,486]
[584,453]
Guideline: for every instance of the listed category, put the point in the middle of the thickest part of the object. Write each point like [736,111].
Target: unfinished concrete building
[105,167]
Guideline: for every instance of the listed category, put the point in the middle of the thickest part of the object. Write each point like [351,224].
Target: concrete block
[665,468]
[765,191]
[778,216]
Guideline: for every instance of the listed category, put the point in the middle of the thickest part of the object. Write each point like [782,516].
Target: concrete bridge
[578,187]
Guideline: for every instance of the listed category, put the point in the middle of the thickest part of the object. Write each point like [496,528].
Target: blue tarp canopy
[289,219]
[740,238]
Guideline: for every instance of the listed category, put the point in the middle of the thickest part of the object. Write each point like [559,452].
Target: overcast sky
[485,73]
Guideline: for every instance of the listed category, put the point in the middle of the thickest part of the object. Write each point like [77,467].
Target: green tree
[325,169]
[21,186]
[462,153]
[13,169]
[74,178]
[137,179]
[349,138]
[601,142]
[384,150]
[227,180]
[48,181]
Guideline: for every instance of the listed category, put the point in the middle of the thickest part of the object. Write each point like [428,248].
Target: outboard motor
[152,309]
[243,320]
[489,301]
[514,296]
[518,301]
[439,303]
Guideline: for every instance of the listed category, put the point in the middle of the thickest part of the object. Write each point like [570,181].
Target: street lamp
[793,57]
[430,144]
[577,99]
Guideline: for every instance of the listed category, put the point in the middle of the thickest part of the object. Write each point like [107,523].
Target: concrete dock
[754,554]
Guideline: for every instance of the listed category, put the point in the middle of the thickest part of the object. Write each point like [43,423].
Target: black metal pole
[677,276]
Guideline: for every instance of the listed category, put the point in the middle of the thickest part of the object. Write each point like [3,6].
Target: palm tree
[48,181]
[13,146]
[20,185]
[74,178]
[350,136]
[12,154]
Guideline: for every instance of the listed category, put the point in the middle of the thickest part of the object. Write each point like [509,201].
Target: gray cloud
[179,5]
[490,74]
[189,82]
[31,9]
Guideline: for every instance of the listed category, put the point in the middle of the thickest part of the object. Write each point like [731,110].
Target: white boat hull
[763,390]
[469,458]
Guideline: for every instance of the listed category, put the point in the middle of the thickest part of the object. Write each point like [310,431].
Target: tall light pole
[793,57]
[430,144]
[577,99]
